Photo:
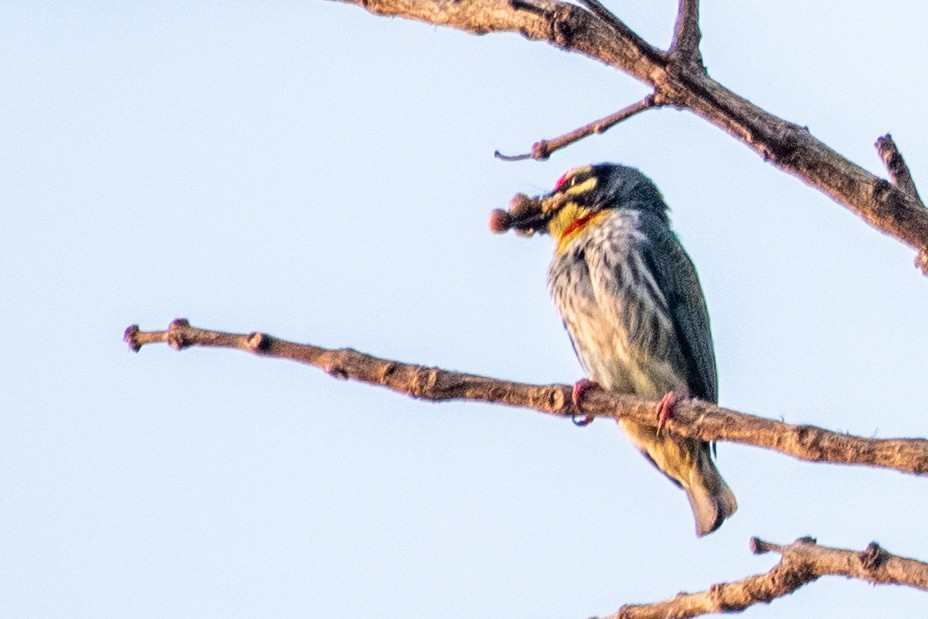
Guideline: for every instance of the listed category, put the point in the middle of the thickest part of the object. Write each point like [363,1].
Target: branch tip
[130,336]
[895,165]
[921,261]
[503,157]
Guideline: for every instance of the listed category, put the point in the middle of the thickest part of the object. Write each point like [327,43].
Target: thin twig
[691,417]
[801,562]
[543,149]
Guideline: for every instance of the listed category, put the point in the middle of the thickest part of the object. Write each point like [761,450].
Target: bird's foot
[666,406]
[580,387]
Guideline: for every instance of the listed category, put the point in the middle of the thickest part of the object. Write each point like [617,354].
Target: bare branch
[686,85]
[873,564]
[691,417]
[895,165]
[544,148]
[902,179]
[599,35]
[561,24]
[686,34]
[609,18]
[801,562]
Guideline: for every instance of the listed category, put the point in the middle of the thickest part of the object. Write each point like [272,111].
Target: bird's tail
[688,463]
[710,497]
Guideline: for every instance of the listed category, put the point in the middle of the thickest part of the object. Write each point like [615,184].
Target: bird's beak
[527,214]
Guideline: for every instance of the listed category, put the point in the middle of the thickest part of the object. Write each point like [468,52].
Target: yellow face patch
[569,219]
[565,214]
[582,187]
[570,223]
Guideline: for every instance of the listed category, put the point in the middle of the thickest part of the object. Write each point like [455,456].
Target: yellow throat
[572,219]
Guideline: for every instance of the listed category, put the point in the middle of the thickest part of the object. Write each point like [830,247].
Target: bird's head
[581,197]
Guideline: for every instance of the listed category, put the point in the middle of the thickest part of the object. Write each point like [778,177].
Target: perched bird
[632,304]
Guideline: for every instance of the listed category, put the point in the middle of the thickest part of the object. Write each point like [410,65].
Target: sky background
[310,170]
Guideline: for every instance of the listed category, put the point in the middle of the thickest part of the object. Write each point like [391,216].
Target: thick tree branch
[801,562]
[691,417]
[564,25]
[680,82]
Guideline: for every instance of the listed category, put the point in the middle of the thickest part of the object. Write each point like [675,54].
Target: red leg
[666,406]
[580,387]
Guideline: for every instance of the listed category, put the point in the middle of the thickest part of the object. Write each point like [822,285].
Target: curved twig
[543,149]
[681,82]
[801,562]
[691,417]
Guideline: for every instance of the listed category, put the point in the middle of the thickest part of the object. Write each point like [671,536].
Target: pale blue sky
[310,170]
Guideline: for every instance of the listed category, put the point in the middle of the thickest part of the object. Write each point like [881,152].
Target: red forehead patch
[560,181]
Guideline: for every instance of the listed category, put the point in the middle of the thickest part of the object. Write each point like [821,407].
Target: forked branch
[801,562]
[678,78]
[895,165]
[691,417]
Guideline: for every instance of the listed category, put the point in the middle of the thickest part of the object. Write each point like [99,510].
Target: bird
[632,304]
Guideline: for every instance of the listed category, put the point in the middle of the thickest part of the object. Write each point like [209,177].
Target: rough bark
[679,79]
[691,417]
[801,562]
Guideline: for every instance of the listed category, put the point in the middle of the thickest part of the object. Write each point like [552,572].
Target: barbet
[632,304]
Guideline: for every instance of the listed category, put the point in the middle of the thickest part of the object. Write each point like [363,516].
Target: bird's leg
[580,387]
[666,406]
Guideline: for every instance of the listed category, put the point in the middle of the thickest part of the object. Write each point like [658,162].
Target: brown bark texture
[801,562]
[691,417]
[679,79]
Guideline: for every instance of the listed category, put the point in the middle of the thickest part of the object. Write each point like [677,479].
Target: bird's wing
[675,276]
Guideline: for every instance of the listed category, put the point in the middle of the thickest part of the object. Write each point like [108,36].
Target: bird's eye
[572,178]
[575,180]
[565,183]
